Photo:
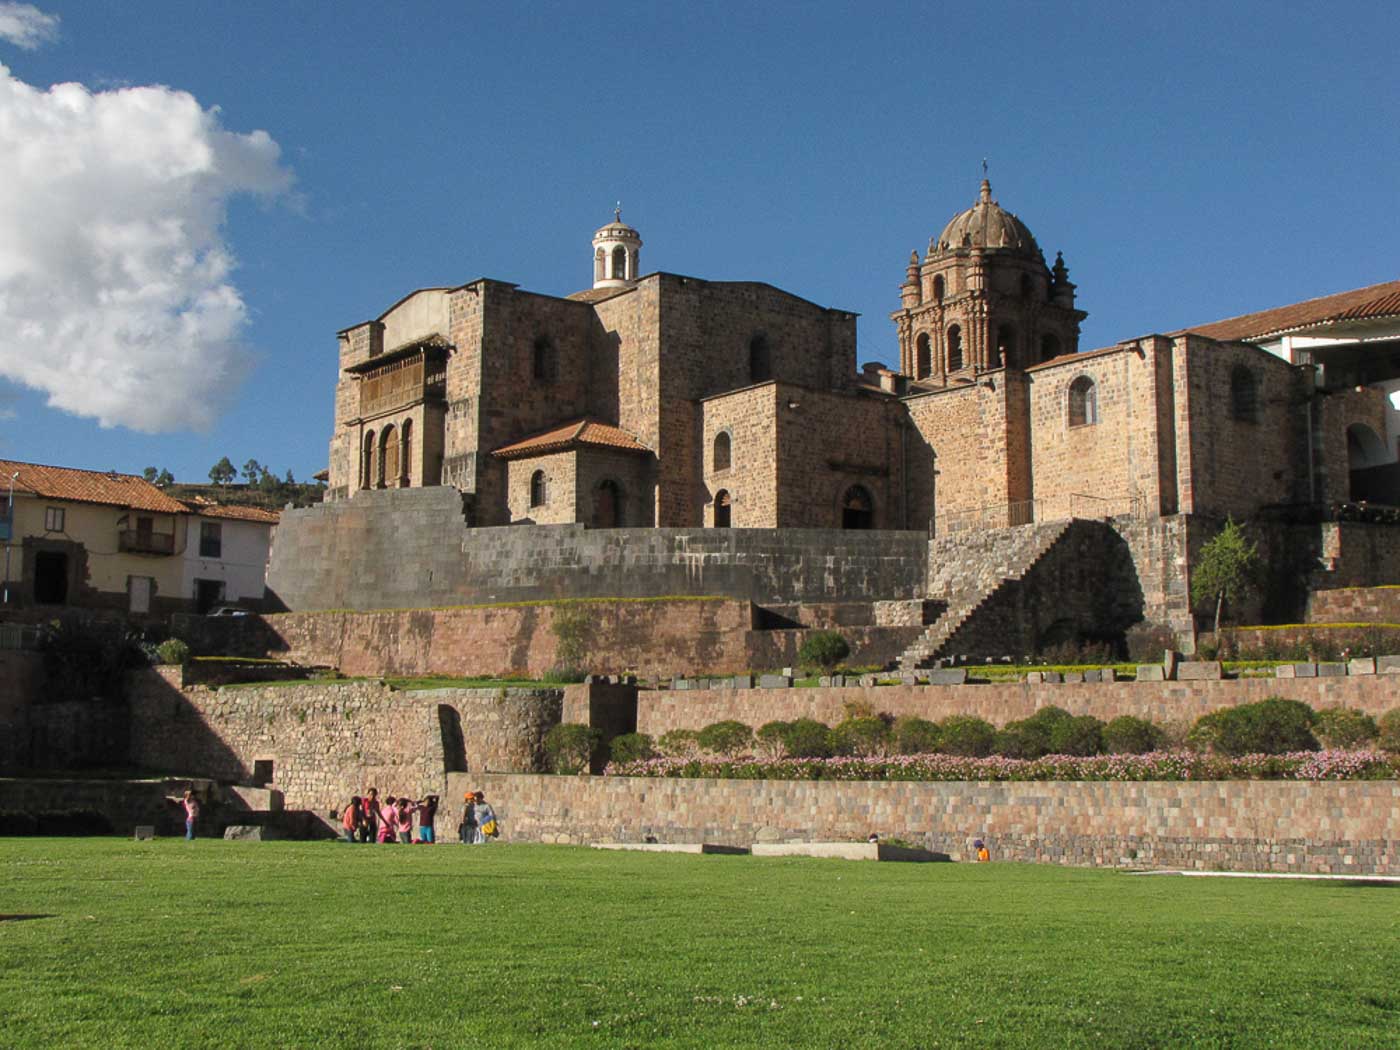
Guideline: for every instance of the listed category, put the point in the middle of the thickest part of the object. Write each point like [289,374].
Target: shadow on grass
[24,918]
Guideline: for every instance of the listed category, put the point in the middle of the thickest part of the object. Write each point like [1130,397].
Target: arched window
[634,262]
[1006,345]
[722,502]
[388,456]
[955,354]
[1244,394]
[938,288]
[722,450]
[1083,402]
[923,358]
[367,462]
[607,505]
[406,453]
[857,509]
[539,494]
[760,361]
[1366,450]
[600,263]
[546,367]
[619,263]
[1049,346]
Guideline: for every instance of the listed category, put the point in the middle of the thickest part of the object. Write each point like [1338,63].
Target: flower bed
[1156,765]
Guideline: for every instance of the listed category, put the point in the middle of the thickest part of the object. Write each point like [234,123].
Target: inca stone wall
[1341,827]
[410,548]
[1355,605]
[1161,702]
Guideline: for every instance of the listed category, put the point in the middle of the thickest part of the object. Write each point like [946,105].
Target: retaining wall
[1161,702]
[1355,605]
[1343,827]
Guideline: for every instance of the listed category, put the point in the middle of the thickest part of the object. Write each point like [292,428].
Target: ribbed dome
[987,225]
[617,230]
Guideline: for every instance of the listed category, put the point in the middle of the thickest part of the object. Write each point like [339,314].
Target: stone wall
[1336,827]
[327,741]
[1161,702]
[411,548]
[124,803]
[1357,554]
[1355,605]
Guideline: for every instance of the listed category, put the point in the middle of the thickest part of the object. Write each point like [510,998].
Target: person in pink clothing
[191,806]
[404,821]
[388,820]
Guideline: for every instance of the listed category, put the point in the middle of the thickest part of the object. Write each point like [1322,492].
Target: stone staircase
[970,578]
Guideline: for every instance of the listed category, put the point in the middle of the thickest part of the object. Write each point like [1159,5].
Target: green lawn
[227,945]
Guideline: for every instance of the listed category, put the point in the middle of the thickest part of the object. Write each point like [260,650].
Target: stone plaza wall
[1336,827]
[661,710]
[1355,605]
[411,548]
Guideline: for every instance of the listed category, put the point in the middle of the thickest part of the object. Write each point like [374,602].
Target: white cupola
[617,254]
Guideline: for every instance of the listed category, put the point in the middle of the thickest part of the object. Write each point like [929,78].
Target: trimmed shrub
[769,739]
[173,651]
[1081,735]
[679,743]
[630,747]
[916,736]
[1345,727]
[563,676]
[861,736]
[1270,727]
[1126,735]
[966,736]
[570,746]
[807,738]
[1031,737]
[1390,730]
[725,738]
[824,649]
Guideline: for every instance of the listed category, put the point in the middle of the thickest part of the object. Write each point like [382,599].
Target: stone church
[670,401]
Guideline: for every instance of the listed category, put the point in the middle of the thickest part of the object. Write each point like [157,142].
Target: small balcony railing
[135,542]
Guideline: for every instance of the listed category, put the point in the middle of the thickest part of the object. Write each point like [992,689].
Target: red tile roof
[572,435]
[232,512]
[88,486]
[1373,301]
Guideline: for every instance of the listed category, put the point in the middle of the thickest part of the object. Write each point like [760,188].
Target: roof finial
[617,212]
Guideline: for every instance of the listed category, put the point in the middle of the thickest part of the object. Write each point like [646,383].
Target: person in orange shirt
[983,854]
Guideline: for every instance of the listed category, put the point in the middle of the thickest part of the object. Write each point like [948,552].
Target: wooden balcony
[402,378]
[136,541]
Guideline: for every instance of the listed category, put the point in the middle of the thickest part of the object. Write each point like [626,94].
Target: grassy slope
[259,945]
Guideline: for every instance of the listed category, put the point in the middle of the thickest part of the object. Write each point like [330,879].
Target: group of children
[367,819]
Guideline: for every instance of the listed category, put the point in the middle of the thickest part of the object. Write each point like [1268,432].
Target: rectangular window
[53,519]
[211,539]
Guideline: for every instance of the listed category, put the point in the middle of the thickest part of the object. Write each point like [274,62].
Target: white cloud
[115,298]
[24,25]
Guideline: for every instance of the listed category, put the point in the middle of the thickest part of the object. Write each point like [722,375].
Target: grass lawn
[228,945]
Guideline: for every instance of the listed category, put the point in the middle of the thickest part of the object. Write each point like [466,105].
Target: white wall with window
[226,558]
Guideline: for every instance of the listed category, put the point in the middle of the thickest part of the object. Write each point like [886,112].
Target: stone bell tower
[982,298]
[617,254]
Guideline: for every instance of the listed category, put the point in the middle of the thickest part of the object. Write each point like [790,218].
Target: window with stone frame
[211,539]
[955,349]
[923,357]
[539,489]
[1244,394]
[938,288]
[1083,402]
[546,361]
[721,458]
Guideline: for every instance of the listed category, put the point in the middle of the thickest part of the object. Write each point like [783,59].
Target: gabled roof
[585,432]
[1371,302]
[88,486]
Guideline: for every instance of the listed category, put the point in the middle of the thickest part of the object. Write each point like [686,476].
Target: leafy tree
[289,479]
[1227,569]
[726,738]
[150,474]
[222,472]
[252,470]
[824,649]
[164,478]
[570,747]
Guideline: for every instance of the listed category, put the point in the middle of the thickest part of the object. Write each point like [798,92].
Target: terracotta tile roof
[88,486]
[1377,300]
[231,511]
[571,435]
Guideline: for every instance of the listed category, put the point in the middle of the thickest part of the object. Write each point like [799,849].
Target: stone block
[1093,675]
[774,681]
[145,832]
[824,681]
[674,847]
[256,799]
[252,833]
[838,681]
[1199,671]
[1388,665]
[1108,674]
[908,679]
[1305,670]
[845,851]
[741,681]
[1074,676]
[1035,677]
[1170,659]
[867,681]
[1365,665]
[1053,677]
[948,676]
[787,672]
[1331,670]
[680,683]
[1151,673]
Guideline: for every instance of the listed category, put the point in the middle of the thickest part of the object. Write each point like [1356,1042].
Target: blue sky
[1192,161]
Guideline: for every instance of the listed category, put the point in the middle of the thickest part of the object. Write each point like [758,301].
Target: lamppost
[9,535]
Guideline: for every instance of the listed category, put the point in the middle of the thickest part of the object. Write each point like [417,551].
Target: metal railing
[18,636]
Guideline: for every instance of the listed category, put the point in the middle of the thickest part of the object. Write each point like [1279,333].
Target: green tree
[1227,569]
[150,474]
[164,478]
[252,471]
[222,472]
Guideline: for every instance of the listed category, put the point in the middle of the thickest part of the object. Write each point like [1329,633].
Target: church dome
[617,254]
[617,230]
[987,225]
